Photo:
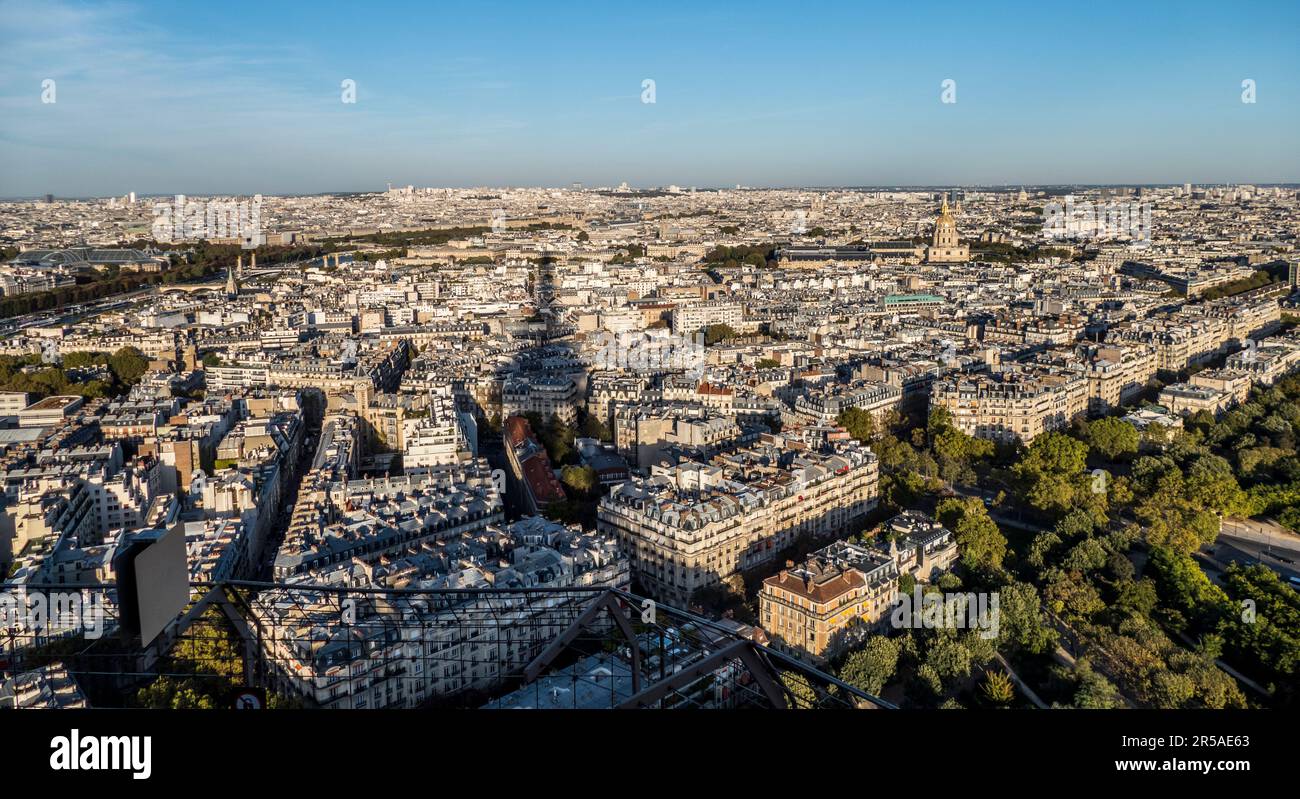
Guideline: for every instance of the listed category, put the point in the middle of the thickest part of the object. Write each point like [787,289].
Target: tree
[79,360]
[1021,621]
[567,511]
[926,684]
[593,427]
[555,436]
[1075,525]
[802,695]
[1211,485]
[1094,691]
[1087,555]
[582,479]
[1135,596]
[906,583]
[719,332]
[1070,596]
[205,665]
[1051,470]
[950,659]
[1173,505]
[1252,461]
[1041,548]
[997,687]
[869,668]
[1184,586]
[859,423]
[128,364]
[1113,437]
[1170,690]
[1268,640]
[172,693]
[953,449]
[981,543]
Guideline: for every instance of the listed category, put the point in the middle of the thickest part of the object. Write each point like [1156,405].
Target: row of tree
[30,374]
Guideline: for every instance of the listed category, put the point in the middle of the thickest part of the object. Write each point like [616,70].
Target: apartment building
[1117,374]
[692,525]
[815,609]
[1180,342]
[545,395]
[441,436]
[1267,361]
[1012,405]
[606,389]
[1187,399]
[406,650]
[647,434]
[48,687]
[684,388]
[1235,382]
[823,405]
[688,319]
[371,519]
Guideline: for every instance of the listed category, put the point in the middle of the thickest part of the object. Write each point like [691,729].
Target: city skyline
[624,187]
[801,418]
[250,99]
[441,359]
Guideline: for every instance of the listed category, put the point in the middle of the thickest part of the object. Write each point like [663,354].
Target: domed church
[945,248]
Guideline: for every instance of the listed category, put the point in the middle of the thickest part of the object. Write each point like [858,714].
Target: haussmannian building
[1012,405]
[693,525]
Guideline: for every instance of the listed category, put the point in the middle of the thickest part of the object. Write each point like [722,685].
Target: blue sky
[244,97]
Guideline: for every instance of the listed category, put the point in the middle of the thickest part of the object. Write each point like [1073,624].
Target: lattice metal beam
[607,601]
[739,650]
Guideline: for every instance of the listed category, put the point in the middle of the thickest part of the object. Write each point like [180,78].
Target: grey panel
[162,583]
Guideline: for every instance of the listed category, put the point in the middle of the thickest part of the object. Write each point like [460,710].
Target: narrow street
[289,497]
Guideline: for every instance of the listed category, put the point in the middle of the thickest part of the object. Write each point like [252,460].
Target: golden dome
[945,220]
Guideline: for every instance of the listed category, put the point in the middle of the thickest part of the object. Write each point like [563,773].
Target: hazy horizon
[988,187]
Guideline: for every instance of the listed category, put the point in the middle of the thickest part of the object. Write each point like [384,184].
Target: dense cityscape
[932,368]
[977,447]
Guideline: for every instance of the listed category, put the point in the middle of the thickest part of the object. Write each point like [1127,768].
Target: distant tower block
[253,263]
[239,266]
